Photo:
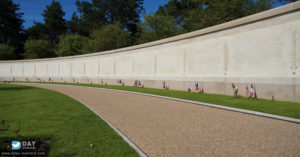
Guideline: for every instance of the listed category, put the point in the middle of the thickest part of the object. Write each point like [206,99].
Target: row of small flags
[249,93]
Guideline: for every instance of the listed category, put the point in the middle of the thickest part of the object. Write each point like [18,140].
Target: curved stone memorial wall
[261,49]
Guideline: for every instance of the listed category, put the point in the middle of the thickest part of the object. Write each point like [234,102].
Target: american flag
[197,86]
[164,84]
[49,79]
[139,83]
[101,81]
[120,81]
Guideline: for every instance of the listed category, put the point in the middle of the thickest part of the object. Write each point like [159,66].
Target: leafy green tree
[71,45]
[38,49]
[37,31]
[54,21]
[7,52]
[79,26]
[11,29]
[155,27]
[100,12]
[197,14]
[111,36]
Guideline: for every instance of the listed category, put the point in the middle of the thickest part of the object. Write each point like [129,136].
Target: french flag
[164,84]
[197,86]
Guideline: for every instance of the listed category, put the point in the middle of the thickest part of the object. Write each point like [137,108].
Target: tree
[71,45]
[111,36]
[38,49]
[37,31]
[157,27]
[199,14]
[100,12]
[7,52]
[78,26]
[11,29]
[54,21]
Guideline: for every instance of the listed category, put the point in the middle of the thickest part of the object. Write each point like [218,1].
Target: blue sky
[33,9]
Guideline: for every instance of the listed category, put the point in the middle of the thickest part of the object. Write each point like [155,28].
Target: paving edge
[125,138]
[267,115]
[131,144]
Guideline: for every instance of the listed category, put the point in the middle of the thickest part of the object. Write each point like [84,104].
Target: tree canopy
[11,29]
[71,45]
[111,36]
[54,21]
[38,49]
[7,52]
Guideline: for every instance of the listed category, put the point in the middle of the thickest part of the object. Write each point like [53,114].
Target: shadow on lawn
[14,88]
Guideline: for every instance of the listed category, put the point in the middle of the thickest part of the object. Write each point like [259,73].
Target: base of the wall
[283,92]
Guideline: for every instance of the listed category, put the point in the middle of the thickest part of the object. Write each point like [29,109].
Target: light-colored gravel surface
[162,127]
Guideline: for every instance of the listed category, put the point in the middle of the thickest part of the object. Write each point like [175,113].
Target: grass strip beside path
[70,125]
[282,108]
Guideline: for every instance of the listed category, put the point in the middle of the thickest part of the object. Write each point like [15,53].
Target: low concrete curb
[294,120]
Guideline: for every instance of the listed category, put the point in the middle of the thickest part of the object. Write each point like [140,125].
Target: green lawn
[70,125]
[288,109]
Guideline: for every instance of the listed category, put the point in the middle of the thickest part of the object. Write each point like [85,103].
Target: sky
[33,9]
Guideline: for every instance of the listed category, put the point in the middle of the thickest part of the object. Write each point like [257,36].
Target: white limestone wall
[262,49]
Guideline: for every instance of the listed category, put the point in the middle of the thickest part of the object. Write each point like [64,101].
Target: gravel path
[162,127]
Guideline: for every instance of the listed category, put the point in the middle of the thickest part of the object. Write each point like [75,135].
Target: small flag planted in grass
[164,84]
[101,81]
[251,91]
[74,80]
[197,86]
[273,98]
[49,79]
[139,83]
[120,81]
